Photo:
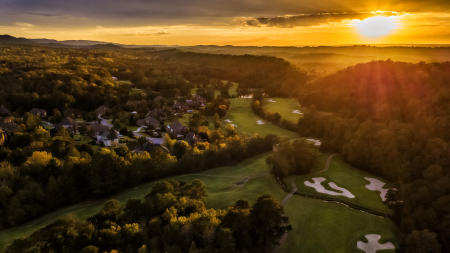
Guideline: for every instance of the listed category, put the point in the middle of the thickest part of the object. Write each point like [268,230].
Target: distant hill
[8,39]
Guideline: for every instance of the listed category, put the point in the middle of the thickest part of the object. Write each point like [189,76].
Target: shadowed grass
[242,115]
[284,106]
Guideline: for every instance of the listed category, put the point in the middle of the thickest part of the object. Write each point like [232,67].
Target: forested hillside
[71,120]
[392,119]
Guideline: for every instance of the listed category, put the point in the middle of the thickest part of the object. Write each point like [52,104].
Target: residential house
[102,110]
[69,124]
[176,129]
[192,138]
[151,122]
[103,134]
[198,101]
[39,112]
[8,125]
[149,146]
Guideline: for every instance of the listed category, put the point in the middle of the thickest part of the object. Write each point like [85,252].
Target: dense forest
[392,119]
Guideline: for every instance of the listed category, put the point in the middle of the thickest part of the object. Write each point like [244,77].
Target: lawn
[82,139]
[233,90]
[319,226]
[184,119]
[220,183]
[243,117]
[348,177]
[284,106]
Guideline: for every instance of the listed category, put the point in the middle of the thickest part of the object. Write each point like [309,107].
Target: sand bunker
[271,100]
[373,245]
[317,185]
[260,122]
[228,120]
[377,185]
[297,112]
[315,142]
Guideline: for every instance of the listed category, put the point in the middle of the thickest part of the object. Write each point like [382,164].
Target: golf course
[288,108]
[247,123]
[318,225]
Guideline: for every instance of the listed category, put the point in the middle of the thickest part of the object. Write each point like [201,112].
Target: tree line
[172,218]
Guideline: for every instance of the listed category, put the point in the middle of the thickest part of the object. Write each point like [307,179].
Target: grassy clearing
[233,90]
[348,177]
[184,120]
[220,183]
[132,128]
[319,226]
[82,139]
[284,106]
[242,115]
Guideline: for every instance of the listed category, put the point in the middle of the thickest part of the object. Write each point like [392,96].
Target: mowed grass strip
[284,106]
[221,184]
[246,121]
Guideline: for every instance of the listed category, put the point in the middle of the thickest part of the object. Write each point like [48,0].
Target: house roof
[38,111]
[176,126]
[4,111]
[99,128]
[67,121]
[102,109]
[8,124]
[149,120]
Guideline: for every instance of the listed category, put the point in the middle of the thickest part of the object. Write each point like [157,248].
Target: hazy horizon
[431,45]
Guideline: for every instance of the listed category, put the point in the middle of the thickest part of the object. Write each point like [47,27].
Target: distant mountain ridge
[8,39]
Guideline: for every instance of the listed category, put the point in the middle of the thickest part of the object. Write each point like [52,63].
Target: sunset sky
[231,22]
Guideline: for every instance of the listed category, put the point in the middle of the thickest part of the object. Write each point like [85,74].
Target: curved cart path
[327,163]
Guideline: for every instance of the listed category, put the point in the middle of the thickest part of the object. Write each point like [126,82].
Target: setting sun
[375,27]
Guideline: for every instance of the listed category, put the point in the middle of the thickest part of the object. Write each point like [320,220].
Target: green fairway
[243,117]
[221,187]
[345,176]
[284,106]
[319,226]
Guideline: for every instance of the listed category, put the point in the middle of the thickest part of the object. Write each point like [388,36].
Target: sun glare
[377,26]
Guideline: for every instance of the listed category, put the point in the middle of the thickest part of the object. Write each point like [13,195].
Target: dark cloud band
[308,19]
[157,12]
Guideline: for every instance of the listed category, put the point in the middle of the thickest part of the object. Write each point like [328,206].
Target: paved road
[283,202]
[327,163]
[290,194]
